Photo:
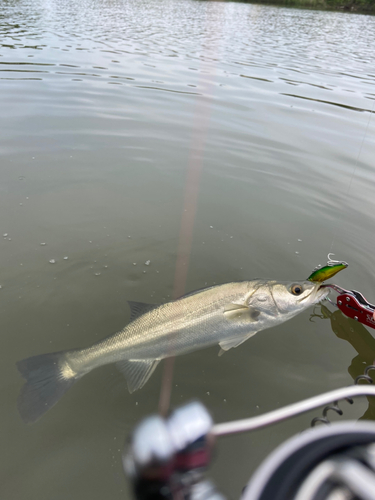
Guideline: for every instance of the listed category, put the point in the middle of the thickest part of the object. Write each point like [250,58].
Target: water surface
[117,117]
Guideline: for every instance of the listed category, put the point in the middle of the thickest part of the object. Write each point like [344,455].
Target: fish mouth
[321,292]
[318,293]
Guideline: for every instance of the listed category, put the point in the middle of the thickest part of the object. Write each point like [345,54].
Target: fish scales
[171,329]
[227,315]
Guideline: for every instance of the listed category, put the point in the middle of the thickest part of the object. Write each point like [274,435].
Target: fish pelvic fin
[47,380]
[137,371]
[234,342]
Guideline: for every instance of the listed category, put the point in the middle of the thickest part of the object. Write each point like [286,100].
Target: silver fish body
[225,314]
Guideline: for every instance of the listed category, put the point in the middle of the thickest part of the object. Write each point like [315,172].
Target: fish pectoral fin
[241,312]
[234,342]
[139,308]
[137,371]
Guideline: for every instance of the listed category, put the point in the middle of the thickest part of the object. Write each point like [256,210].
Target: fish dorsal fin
[234,342]
[241,313]
[199,290]
[137,371]
[139,308]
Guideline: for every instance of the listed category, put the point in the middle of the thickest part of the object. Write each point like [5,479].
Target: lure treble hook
[331,262]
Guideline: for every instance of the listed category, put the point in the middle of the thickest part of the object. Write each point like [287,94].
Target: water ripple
[341,105]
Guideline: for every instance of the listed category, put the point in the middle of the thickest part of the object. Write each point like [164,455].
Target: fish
[226,314]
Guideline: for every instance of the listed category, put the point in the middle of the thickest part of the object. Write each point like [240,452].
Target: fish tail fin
[46,383]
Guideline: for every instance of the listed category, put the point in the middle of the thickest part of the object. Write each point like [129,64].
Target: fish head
[298,295]
[287,298]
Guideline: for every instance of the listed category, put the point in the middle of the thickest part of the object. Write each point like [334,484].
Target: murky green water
[118,117]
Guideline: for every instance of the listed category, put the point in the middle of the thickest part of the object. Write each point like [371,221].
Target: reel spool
[336,462]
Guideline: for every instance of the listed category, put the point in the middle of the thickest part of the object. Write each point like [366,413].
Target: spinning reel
[167,459]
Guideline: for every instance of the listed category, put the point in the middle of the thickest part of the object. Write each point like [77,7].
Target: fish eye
[296,289]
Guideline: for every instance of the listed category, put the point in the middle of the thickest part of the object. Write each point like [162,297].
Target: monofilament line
[355,166]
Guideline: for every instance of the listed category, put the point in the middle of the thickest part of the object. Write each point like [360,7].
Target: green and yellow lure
[333,267]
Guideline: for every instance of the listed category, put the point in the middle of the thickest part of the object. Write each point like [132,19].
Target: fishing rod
[167,458]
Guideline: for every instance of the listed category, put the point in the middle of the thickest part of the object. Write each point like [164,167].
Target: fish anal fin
[139,308]
[137,371]
[241,313]
[233,342]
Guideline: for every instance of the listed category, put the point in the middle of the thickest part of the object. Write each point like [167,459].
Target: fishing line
[354,170]
[192,184]
[187,224]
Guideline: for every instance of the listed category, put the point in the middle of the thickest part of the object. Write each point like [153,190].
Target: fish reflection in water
[225,314]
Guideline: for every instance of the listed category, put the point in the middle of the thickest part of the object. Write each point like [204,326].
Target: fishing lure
[332,267]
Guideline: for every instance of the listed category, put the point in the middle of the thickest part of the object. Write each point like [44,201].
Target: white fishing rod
[167,457]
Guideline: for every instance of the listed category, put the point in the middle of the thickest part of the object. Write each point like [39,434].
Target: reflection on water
[361,340]
[105,105]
